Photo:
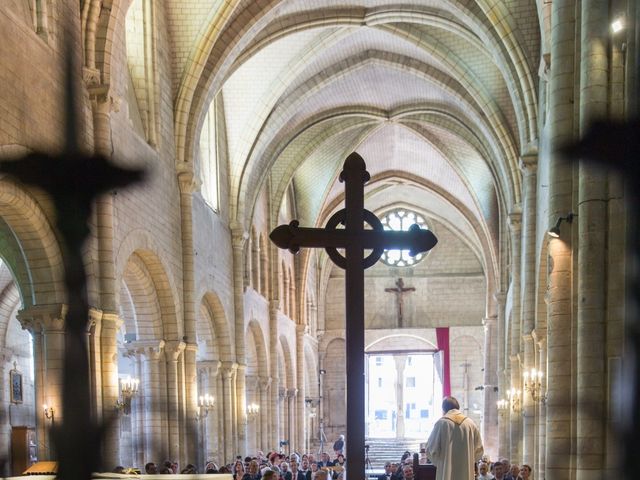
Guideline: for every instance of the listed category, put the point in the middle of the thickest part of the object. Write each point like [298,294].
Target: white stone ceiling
[437,96]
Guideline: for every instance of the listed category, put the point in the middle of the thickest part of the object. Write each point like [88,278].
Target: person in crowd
[269,474]
[284,469]
[396,471]
[525,472]
[325,461]
[339,460]
[312,472]
[253,471]
[498,471]
[118,469]
[305,464]
[211,467]
[455,444]
[238,470]
[514,471]
[165,470]
[190,469]
[407,472]
[387,472]
[338,445]
[321,475]
[224,469]
[483,472]
[294,472]
[150,468]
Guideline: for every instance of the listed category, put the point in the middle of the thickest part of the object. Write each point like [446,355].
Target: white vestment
[454,446]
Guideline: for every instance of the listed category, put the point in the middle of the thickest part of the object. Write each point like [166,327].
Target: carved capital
[515,219]
[145,349]
[43,318]
[173,349]
[229,369]
[187,180]
[528,163]
[500,297]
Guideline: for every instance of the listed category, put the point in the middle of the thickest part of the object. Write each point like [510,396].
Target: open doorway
[402,389]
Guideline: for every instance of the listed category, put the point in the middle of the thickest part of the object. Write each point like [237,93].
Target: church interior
[206,341]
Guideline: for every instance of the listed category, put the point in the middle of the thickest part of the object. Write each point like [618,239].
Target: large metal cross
[354,239]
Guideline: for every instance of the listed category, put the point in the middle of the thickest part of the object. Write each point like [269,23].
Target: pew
[421,471]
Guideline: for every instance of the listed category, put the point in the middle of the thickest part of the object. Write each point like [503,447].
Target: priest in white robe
[454,445]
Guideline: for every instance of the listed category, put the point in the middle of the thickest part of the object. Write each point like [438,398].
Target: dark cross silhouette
[354,239]
[73,180]
[400,290]
[616,146]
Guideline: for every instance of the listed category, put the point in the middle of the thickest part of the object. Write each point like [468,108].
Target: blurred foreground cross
[73,180]
[616,146]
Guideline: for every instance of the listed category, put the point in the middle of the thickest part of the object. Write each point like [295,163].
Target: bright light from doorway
[617,25]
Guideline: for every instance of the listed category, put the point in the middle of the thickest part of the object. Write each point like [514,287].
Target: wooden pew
[423,472]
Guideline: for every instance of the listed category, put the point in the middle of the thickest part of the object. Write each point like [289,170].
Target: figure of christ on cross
[354,239]
[400,290]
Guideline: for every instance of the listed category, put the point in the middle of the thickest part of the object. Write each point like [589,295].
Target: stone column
[592,254]
[228,411]
[110,389]
[264,384]
[46,324]
[238,240]
[515,419]
[539,462]
[528,166]
[401,362]
[210,447]
[292,395]
[559,313]
[187,183]
[273,370]
[152,396]
[490,417]
[300,376]
[173,351]
[501,333]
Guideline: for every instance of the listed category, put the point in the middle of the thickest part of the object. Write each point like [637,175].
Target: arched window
[400,220]
[209,157]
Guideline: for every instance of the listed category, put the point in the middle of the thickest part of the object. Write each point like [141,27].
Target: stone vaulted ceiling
[438,96]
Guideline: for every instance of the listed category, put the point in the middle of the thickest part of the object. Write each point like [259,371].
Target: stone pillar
[539,463]
[401,362]
[109,391]
[490,417]
[559,312]
[152,396]
[187,183]
[273,367]
[264,441]
[173,351]
[528,166]
[239,238]
[501,333]
[515,419]
[292,396]
[241,407]
[228,411]
[592,234]
[210,448]
[300,422]
[46,324]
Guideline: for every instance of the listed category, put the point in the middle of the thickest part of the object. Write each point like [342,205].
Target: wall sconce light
[205,403]
[555,230]
[48,412]
[618,24]
[253,409]
[503,406]
[129,388]
[533,384]
[514,398]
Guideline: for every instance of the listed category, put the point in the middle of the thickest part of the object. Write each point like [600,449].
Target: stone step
[383,450]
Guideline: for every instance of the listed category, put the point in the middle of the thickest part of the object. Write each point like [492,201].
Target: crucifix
[400,290]
[354,239]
